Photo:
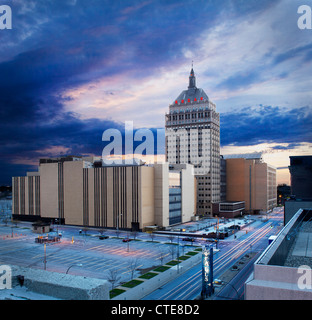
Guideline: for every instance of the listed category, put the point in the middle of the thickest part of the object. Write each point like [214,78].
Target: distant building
[301,186]
[283,193]
[84,192]
[193,137]
[251,180]
[226,209]
[301,176]
[222,179]
[229,209]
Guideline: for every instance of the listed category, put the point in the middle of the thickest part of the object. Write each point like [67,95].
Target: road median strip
[125,287]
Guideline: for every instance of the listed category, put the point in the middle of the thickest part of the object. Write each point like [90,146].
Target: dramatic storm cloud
[70,69]
[266,124]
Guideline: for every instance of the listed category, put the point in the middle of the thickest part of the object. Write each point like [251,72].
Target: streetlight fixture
[45,257]
[76,264]
[117,226]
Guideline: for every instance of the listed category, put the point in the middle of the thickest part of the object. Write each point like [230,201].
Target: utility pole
[45,257]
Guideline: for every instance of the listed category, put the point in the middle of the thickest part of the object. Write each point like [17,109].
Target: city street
[188,286]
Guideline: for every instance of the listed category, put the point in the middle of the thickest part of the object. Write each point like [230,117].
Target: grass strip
[132,283]
[115,292]
[148,275]
[162,268]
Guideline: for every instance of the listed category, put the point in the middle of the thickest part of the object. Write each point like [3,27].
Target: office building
[301,185]
[85,192]
[193,137]
[301,176]
[251,180]
[283,193]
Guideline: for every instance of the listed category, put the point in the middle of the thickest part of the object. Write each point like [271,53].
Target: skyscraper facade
[193,136]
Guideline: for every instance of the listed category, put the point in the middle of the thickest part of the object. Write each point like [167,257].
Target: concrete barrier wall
[148,286]
[60,285]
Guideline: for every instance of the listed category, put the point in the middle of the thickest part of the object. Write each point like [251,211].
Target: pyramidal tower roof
[192,94]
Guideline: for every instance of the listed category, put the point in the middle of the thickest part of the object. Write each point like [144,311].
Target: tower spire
[192,79]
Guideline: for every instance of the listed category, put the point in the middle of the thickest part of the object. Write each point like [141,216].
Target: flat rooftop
[300,252]
[276,275]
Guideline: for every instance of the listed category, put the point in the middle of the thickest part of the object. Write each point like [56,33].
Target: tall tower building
[193,136]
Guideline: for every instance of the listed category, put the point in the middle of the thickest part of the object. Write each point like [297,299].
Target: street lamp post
[179,234]
[45,257]
[117,226]
[56,222]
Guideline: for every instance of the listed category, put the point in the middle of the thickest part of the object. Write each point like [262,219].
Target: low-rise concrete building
[229,209]
[34,284]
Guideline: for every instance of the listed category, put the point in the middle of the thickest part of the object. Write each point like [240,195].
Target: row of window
[186,116]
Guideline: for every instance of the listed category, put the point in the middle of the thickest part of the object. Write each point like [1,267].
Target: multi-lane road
[188,286]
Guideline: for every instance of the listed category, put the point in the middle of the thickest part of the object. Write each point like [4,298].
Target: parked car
[126,240]
[188,239]
[102,237]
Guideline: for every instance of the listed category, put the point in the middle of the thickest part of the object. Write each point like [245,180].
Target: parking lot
[81,252]
[85,254]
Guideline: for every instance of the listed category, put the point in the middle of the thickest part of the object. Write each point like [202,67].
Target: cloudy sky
[70,69]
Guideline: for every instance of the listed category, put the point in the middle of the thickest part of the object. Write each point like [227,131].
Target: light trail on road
[192,286]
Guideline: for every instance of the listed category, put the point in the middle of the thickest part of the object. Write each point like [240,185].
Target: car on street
[126,240]
[188,239]
[217,282]
[102,237]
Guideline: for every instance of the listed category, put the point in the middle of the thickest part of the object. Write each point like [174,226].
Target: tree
[113,277]
[152,236]
[117,231]
[134,234]
[133,266]
[172,251]
[162,256]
